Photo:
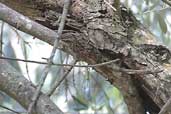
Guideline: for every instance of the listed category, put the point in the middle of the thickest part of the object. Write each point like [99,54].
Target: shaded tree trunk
[95,34]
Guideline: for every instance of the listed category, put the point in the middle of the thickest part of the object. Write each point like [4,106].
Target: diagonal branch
[166,107]
[167,2]
[18,87]
[50,60]
[57,83]
[9,109]
[26,25]
[1,38]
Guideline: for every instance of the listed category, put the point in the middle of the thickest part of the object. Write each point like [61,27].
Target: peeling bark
[95,34]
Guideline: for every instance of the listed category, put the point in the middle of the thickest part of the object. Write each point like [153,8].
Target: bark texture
[95,34]
[19,88]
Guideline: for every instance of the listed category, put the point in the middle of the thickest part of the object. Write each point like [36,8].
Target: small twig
[38,62]
[132,71]
[26,64]
[114,9]
[117,69]
[10,109]
[167,2]
[24,49]
[50,61]
[1,38]
[16,32]
[165,107]
[57,83]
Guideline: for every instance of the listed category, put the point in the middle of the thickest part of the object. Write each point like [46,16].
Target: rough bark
[95,34]
[19,88]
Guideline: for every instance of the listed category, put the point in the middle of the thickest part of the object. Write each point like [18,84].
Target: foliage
[155,15]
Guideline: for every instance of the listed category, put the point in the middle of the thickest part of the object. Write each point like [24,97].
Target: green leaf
[155,3]
[162,23]
[79,103]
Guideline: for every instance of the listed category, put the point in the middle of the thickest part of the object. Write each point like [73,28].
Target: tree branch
[43,33]
[50,60]
[167,2]
[11,110]
[82,44]
[26,25]
[57,83]
[166,107]
[19,88]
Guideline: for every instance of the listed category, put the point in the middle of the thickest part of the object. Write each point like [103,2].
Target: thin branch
[26,25]
[132,71]
[167,2]
[165,107]
[17,86]
[114,9]
[115,68]
[57,83]
[1,38]
[50,61]
[11,110]
[24,50]
[39,62]
[26,65]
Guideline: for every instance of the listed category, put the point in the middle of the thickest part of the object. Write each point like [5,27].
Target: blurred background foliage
[155,15]
[84,91]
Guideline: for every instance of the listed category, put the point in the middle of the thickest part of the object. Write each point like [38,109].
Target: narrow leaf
[162,23]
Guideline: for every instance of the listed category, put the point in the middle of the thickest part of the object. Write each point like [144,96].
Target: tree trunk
[95,34]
